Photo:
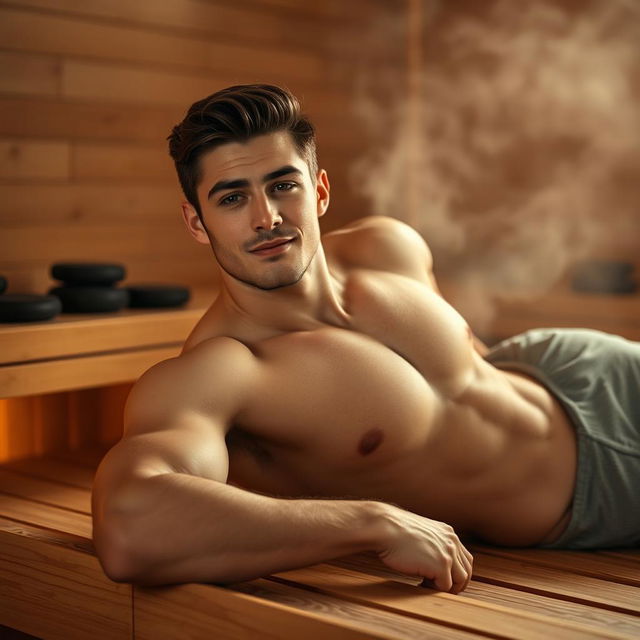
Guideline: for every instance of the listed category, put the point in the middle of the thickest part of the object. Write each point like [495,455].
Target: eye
[284,186]
[232,198]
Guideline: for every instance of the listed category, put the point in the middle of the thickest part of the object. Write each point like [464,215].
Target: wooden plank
[56,118]
[607,621]
[120,84]
[426,604]
[45,491]
[556,583]
[511,598]
[367,618]
[84,204]
[81,372]
[263,27]
[53,470]
[117,242]
[135,163]
[581,562]
[160,613]
[59,118]
[81,334]
[71,36]
[29,74]
[29,159]
[55,592]
[43,515]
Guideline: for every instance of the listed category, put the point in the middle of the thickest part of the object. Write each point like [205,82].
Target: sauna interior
[508,137]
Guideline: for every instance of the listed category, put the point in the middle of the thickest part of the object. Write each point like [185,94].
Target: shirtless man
[330,401]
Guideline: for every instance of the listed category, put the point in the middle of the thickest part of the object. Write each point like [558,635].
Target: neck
[315,300]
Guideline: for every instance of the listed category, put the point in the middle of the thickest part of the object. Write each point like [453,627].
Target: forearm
[182,528]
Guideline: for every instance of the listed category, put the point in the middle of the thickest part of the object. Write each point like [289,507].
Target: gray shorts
[596,377]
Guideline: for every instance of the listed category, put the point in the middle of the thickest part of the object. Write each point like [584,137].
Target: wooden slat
[117,242]
[44,491]
[511,598]
[585,563]
[260,24]
[215,612]
[53,470]
[113,83]
[552,582]
[34,159]
[29,74]
[606,621]
[56,118]
[70,36]
[79,334]
[426,604]
[134,163]
[54,591]
[85,204]
[368,618]
[42,515]
[81,372]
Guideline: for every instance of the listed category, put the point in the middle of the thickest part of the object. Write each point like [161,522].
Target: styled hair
[237,114]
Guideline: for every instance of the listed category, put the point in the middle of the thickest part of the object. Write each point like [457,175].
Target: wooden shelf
[75,351]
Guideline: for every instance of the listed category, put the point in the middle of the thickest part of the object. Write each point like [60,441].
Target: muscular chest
[365,395]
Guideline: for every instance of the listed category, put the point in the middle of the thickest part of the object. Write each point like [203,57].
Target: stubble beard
[276,277]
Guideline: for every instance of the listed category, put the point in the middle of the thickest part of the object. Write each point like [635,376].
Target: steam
[526,128]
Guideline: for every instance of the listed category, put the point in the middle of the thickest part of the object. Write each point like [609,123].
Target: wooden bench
[52,585]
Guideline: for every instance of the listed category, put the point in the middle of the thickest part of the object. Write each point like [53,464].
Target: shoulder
[381,243]
[210,379]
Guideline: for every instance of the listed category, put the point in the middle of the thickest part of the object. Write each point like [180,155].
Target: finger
[468,568]
[444,580]
[460,575]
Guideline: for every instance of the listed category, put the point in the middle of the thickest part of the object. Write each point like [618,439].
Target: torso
[399,407]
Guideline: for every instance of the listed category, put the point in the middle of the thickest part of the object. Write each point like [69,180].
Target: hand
[427,548]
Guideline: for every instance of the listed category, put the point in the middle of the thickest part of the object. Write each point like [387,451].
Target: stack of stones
[89,287]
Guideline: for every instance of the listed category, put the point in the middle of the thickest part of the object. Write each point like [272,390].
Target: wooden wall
[90,90]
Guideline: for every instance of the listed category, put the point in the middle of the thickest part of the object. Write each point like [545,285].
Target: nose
[265,214]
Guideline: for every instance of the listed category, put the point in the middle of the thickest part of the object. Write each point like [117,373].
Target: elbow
[116,554]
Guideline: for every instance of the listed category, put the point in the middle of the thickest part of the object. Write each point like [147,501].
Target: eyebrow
[223,185]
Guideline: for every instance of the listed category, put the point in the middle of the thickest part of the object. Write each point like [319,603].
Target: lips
[270,245]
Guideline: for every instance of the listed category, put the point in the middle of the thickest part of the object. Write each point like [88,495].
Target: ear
[322,192]
[193,223]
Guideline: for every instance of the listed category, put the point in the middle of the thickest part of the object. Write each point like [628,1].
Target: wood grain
[82,372]
[21,159]
[217,612]
[56,592]
[431,605]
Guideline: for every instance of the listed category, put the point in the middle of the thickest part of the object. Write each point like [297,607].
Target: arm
[163,513]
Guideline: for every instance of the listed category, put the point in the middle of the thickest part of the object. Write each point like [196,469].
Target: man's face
[260,210]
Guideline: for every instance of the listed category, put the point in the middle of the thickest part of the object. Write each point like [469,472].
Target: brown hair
[236,114]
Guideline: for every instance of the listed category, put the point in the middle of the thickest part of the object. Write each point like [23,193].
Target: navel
[370,441]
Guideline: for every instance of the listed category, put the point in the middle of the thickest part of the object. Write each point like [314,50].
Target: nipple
[370,441]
